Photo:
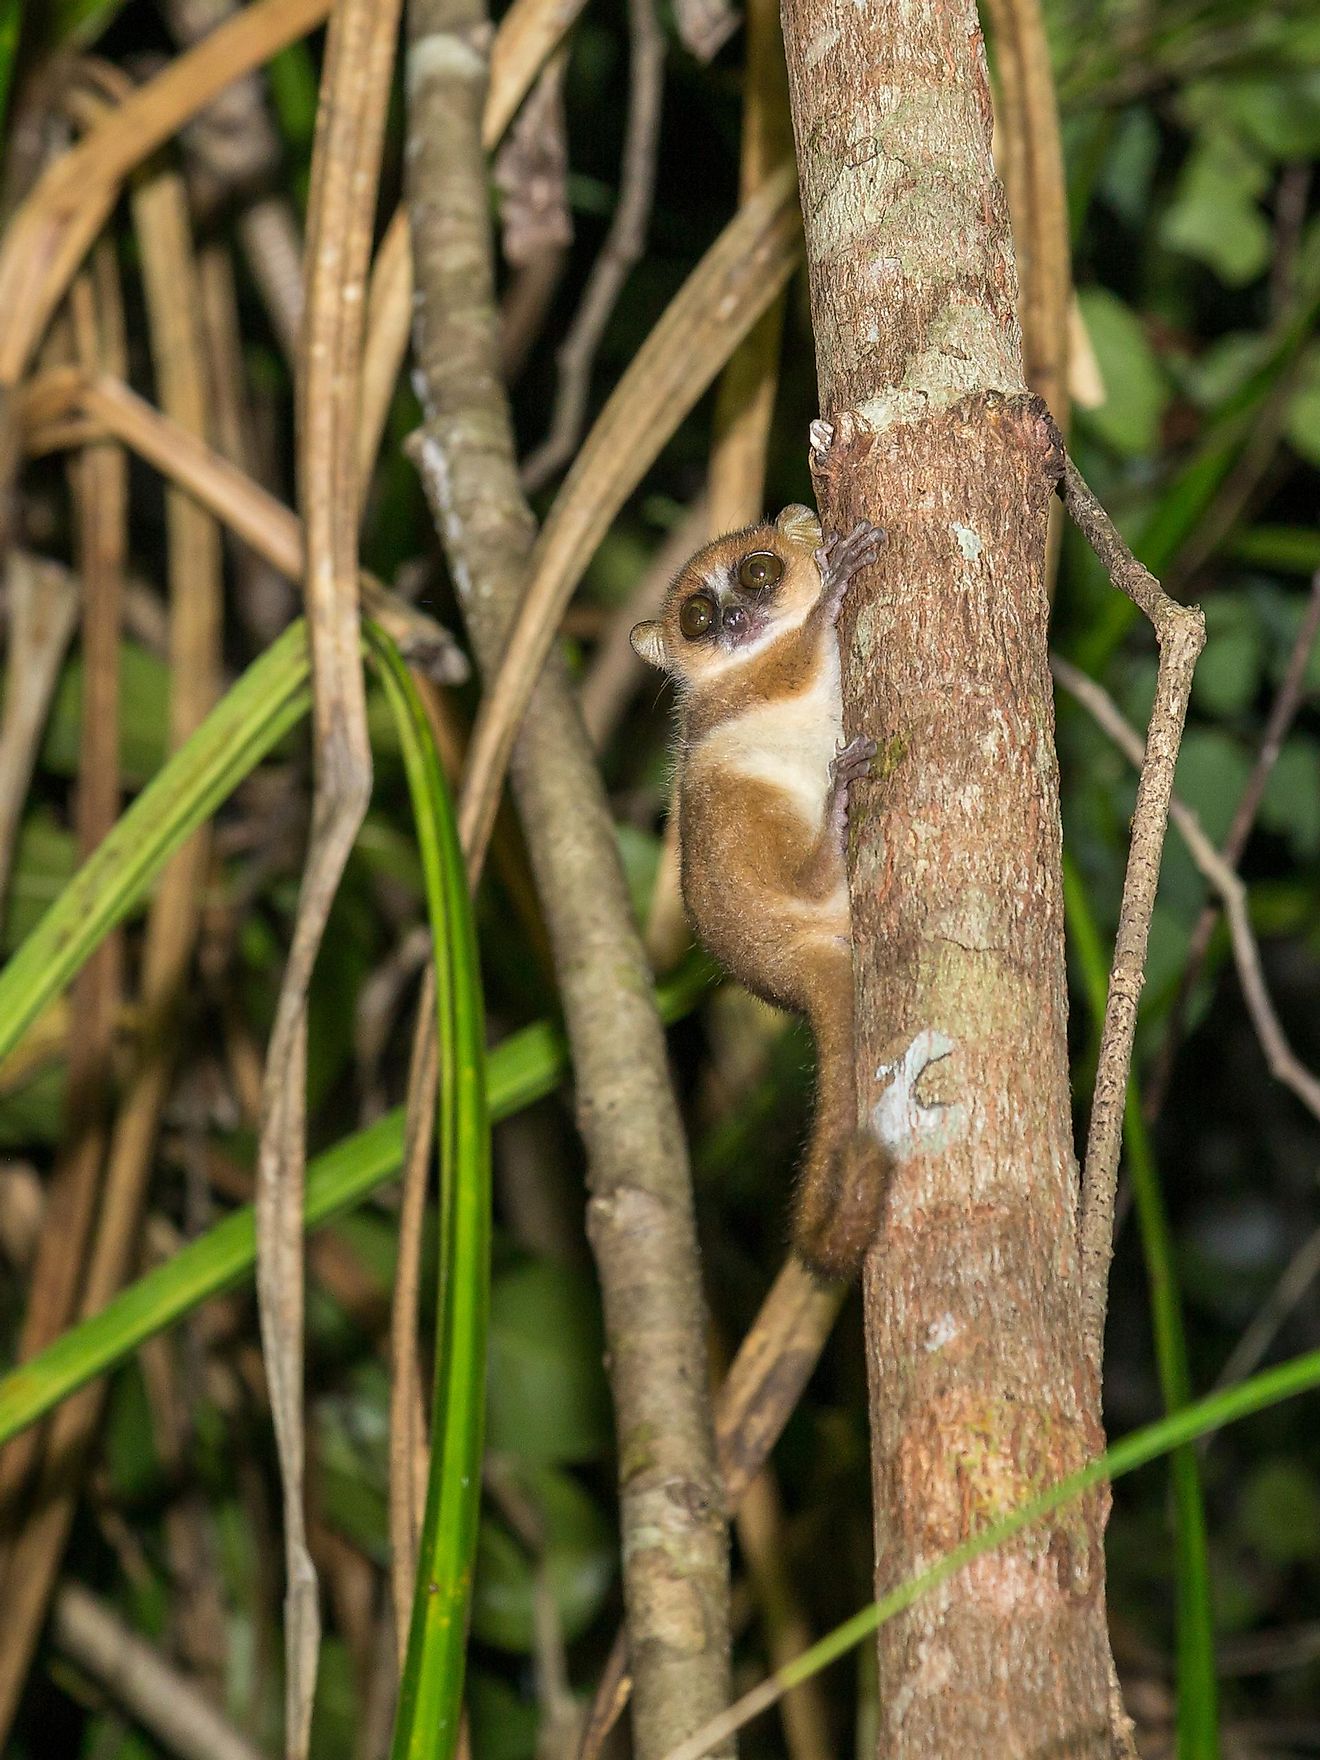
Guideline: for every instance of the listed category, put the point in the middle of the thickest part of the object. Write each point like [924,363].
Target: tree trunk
[980,1390]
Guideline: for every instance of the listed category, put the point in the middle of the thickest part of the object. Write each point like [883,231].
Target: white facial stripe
[718,661]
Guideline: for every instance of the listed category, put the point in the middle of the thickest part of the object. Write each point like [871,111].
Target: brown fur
[762,856]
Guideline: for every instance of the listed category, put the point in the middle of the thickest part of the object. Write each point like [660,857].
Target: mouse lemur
[748,633]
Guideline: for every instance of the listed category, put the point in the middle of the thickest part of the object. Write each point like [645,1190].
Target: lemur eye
[760,570]
[696,616]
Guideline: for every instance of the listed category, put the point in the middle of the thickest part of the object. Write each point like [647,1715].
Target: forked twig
[1180,635]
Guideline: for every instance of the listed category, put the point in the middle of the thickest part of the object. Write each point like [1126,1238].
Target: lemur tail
[840,1197]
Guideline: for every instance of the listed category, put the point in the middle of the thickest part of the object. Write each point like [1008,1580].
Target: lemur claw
[841,559]
[852,761]
[848,765]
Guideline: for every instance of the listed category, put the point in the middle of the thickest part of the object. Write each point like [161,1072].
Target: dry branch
[1180,633]
[760,1393]
[675,1562]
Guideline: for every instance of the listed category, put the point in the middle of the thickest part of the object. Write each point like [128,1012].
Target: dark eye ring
[697,616]
[760,570]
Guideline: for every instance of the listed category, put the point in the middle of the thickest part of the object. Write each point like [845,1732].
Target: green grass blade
[271,697]
[525,1067]
[1198,1713]
[11,24]
[1176,1431]
[431,1689]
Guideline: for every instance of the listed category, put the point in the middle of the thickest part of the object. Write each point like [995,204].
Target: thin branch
[137,1677]
[760,1393]
[1180,634]
[737,279]
[623,245]
[1227,883]
[1281,716]
[640,1214]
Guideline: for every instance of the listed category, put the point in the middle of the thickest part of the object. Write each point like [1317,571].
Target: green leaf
[524,1068]
[1212,772]
[1280,1512]
[1277,112]
[270,697]
[577,1556]
[428,1715]
[1215,216]
[548,1398]
[504,1724]
[144,697]
[1228,671]
[1135,387]
[1290,805]
[1302,423]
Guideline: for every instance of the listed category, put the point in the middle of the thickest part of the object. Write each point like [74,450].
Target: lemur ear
[800,526]
[648,640]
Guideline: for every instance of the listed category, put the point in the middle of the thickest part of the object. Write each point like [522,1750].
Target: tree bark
[981,1392]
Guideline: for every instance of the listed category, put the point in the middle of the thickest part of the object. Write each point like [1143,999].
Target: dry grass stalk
[623,245]
[47,238]
[42,604]
[1027,123]
[234,148]
[733,284]
[345,167]
[161,217]
[274,531]
[100,480]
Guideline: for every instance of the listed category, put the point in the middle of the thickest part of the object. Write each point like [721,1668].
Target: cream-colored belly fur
[787,742]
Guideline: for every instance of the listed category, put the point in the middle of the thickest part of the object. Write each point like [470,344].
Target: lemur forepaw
[848,765]
[852,761]
[841,559]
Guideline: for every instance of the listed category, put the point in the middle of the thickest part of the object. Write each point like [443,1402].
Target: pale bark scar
[903,1120]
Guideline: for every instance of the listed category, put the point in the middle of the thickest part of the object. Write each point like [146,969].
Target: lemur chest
[787,741]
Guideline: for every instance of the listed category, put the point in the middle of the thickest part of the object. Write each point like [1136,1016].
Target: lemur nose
[735,620]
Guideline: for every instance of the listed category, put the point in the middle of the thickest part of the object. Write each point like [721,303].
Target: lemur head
[733,596]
